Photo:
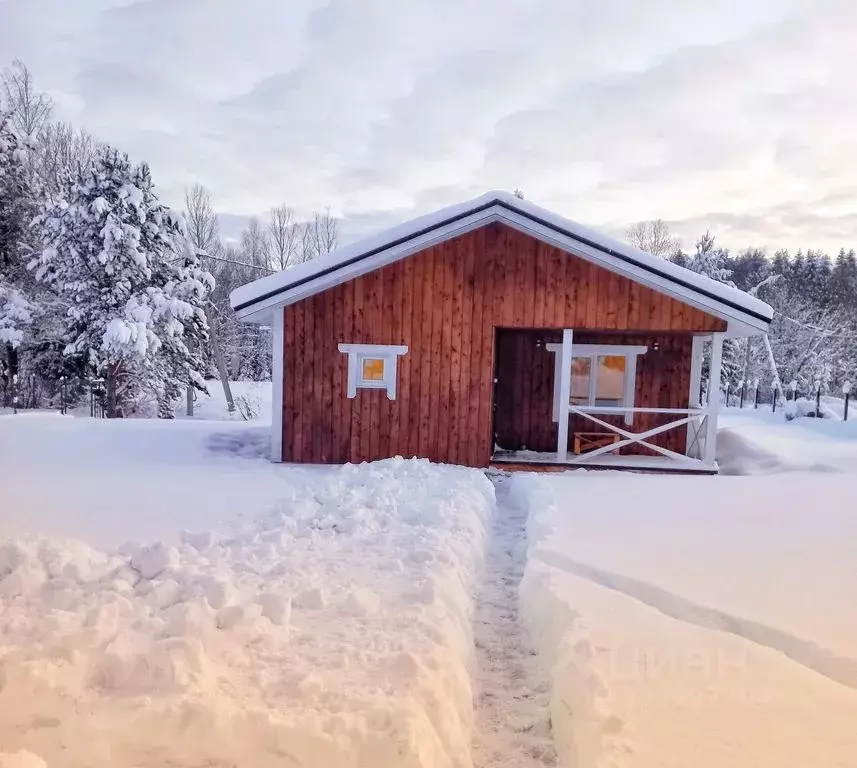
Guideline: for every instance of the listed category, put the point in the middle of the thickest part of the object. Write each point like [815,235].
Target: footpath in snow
[703,621]
[332,627]
[512,695]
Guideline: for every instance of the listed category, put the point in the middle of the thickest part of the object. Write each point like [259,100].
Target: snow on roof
[320,274]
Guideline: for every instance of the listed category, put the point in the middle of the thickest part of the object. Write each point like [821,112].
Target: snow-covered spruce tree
[181,361]
[17,207]
[711,261]
[135,291]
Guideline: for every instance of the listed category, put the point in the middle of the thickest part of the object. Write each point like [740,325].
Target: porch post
[277,344]
[696,353]
[694,427]
[713,397]
[564,395]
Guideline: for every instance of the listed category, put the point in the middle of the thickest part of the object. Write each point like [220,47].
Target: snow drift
[700,621]
[333,630]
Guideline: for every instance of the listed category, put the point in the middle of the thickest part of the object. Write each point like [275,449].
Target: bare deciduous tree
[255,246]
[653,237]
[319,236]
[288,241]
[29,109]
[284,237]
[61,149]
[202,231]
[201,219]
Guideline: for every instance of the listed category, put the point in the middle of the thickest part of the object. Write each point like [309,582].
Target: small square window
[372,366]
[372,369]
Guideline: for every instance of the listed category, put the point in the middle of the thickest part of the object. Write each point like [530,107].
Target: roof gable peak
[747,313]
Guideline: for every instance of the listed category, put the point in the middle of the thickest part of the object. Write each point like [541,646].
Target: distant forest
[814,297]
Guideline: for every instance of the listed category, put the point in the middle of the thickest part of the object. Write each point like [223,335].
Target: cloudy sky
[736,115]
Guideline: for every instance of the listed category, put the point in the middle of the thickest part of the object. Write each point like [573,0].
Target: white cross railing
[701,421]
[694,418]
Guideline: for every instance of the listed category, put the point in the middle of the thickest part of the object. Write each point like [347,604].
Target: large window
[598,380]
[602,376]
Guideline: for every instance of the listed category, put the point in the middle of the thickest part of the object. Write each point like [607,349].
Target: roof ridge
[443,221]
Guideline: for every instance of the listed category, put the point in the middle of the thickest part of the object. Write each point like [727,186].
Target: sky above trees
[735,117]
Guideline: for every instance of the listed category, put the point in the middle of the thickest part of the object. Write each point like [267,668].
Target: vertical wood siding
[446,304]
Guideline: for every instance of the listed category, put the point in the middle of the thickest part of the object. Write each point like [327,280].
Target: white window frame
[357,353]
[593,352]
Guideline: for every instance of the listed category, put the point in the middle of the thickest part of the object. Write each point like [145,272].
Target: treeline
[813,336]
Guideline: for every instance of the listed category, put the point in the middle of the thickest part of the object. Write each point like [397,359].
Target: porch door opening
[525,405]
[524,391]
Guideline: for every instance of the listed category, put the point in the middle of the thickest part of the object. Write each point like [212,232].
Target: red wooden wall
[445,303]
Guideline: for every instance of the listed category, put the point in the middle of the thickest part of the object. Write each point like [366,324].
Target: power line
[238,263]
[822,331]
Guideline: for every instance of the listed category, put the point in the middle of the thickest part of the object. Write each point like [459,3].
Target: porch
[633,406]
[535,462]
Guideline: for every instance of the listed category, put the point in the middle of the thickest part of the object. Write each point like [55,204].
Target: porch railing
[694,418]
[700,419]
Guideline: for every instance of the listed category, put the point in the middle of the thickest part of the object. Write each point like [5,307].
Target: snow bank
[798,444]
[333,630]
[699,621]
[805,408]
[738,454]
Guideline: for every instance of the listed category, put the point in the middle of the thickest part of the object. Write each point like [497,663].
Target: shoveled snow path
[512,719]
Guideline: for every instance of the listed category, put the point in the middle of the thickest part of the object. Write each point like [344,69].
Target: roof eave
[742,321]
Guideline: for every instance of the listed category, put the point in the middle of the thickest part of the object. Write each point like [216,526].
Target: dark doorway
[523,392]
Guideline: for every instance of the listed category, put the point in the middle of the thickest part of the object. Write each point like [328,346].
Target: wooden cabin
[495,332]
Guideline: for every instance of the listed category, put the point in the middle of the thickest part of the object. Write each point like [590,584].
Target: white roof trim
[744,313]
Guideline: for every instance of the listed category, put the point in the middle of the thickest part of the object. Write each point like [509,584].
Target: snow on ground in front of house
[106,481]
[327,621]
[702,621]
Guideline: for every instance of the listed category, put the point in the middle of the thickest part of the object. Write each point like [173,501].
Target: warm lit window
[372,369]
[581,379]
[606,387]
[602,376]
[372,366]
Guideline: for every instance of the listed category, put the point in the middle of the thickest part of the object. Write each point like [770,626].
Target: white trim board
[632,462]
[745,314]
[357,353]
[277,377]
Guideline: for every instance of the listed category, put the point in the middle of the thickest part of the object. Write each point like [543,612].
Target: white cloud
[735,115]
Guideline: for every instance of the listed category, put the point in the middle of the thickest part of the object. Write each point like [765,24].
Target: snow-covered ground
[703,621]
[107,481]
[167,596]
[815,445]
[252,399]
[306,617]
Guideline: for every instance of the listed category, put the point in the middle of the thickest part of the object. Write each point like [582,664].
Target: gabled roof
[745,314]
